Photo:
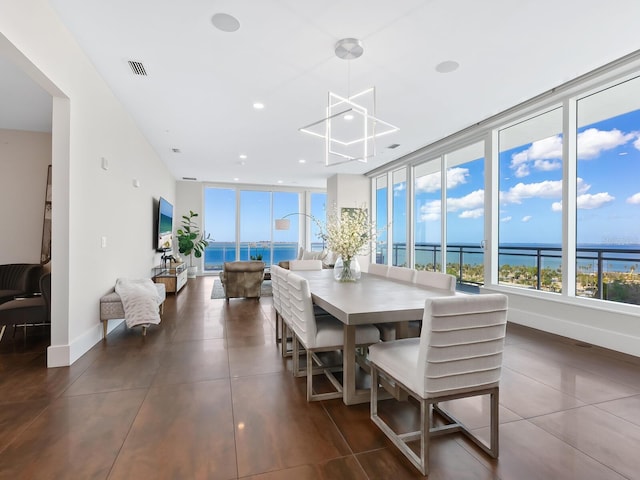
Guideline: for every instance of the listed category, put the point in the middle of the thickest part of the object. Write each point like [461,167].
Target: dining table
[373,299]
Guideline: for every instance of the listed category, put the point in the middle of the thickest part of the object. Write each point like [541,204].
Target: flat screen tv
[165,225]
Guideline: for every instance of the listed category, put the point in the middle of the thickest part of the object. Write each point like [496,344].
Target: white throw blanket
[140,301]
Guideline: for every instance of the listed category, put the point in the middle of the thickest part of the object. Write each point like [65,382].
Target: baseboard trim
[66,355]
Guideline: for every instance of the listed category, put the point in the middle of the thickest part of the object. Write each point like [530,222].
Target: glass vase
[347,270]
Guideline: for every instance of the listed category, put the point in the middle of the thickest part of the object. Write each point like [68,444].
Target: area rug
[218,291]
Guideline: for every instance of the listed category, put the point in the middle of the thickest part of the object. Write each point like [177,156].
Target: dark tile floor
[206,395]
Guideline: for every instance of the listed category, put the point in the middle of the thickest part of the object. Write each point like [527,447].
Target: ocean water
[219,252]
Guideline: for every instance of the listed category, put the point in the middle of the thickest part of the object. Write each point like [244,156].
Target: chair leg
[4,327]
[105,324]
[309,376]
[495,423]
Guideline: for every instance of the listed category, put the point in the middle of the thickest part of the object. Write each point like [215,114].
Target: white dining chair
[308,265]
[319,334]
[439,280]
[403,274]
[285,314]
[458,354]
[378,269]
[277,299]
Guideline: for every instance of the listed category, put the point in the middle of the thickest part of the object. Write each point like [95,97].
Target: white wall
[88,202]
[189,196]
[349,191]
[609,325]
[24,160]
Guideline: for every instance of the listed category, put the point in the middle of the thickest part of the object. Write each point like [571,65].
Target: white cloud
[505,219]
[470,201]
[431,183]
[457,176]
[546,189]
[428,183]
[547,165]
[635,198]
[526,218]
[398,188]
[430,211]
[546,154]
[522,171]
[589,201]
[592,141]
[475,213]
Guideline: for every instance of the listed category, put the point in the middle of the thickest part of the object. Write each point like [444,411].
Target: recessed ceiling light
[225,22]
[348,116]
[258,105]
[447,67]
[302,160]
[280,181]
[242,156]
[236,179]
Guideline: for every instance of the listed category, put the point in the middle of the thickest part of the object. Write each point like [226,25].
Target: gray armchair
[19,279]
[28,311]
[242,279]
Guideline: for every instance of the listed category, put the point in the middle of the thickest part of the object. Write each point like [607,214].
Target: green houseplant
[191,242]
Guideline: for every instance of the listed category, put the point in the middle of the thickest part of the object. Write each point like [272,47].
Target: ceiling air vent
[393,145]
[175,150]
[137,68]
[193,179]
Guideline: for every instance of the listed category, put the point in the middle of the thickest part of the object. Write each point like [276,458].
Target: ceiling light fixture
[258,105]
[447,66]
[350,126]
[225,22]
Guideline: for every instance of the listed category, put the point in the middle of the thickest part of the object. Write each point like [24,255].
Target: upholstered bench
[111,307]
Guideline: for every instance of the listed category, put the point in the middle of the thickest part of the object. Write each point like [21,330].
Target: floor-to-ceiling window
[530,229]
[465,213]
[220,223]
[427,199]
[318,220]
[255,225]
[399,219]
[608,194]
[382,218]
[242,224]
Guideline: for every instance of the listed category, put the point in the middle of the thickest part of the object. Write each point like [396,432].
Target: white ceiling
[202,82]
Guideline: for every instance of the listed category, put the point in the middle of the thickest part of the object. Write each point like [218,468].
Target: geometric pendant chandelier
[350,126]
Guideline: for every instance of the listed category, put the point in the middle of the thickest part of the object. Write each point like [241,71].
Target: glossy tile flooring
[206,395]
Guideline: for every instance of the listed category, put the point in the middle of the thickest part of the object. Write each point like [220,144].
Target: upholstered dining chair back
[285,302]
[378,269]
[401,273]
[277,302]
[305,265]
[303,318]
[439,280]
[461,344]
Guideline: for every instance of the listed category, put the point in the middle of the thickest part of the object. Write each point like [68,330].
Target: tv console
[174,277]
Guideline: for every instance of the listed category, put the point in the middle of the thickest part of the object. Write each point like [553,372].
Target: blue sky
[256,221]
[608,190]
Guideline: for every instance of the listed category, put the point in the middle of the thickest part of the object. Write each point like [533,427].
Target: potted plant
[191,242]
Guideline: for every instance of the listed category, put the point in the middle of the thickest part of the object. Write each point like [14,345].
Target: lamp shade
[283,224]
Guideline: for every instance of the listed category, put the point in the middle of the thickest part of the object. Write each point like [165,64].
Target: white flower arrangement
[349,233]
